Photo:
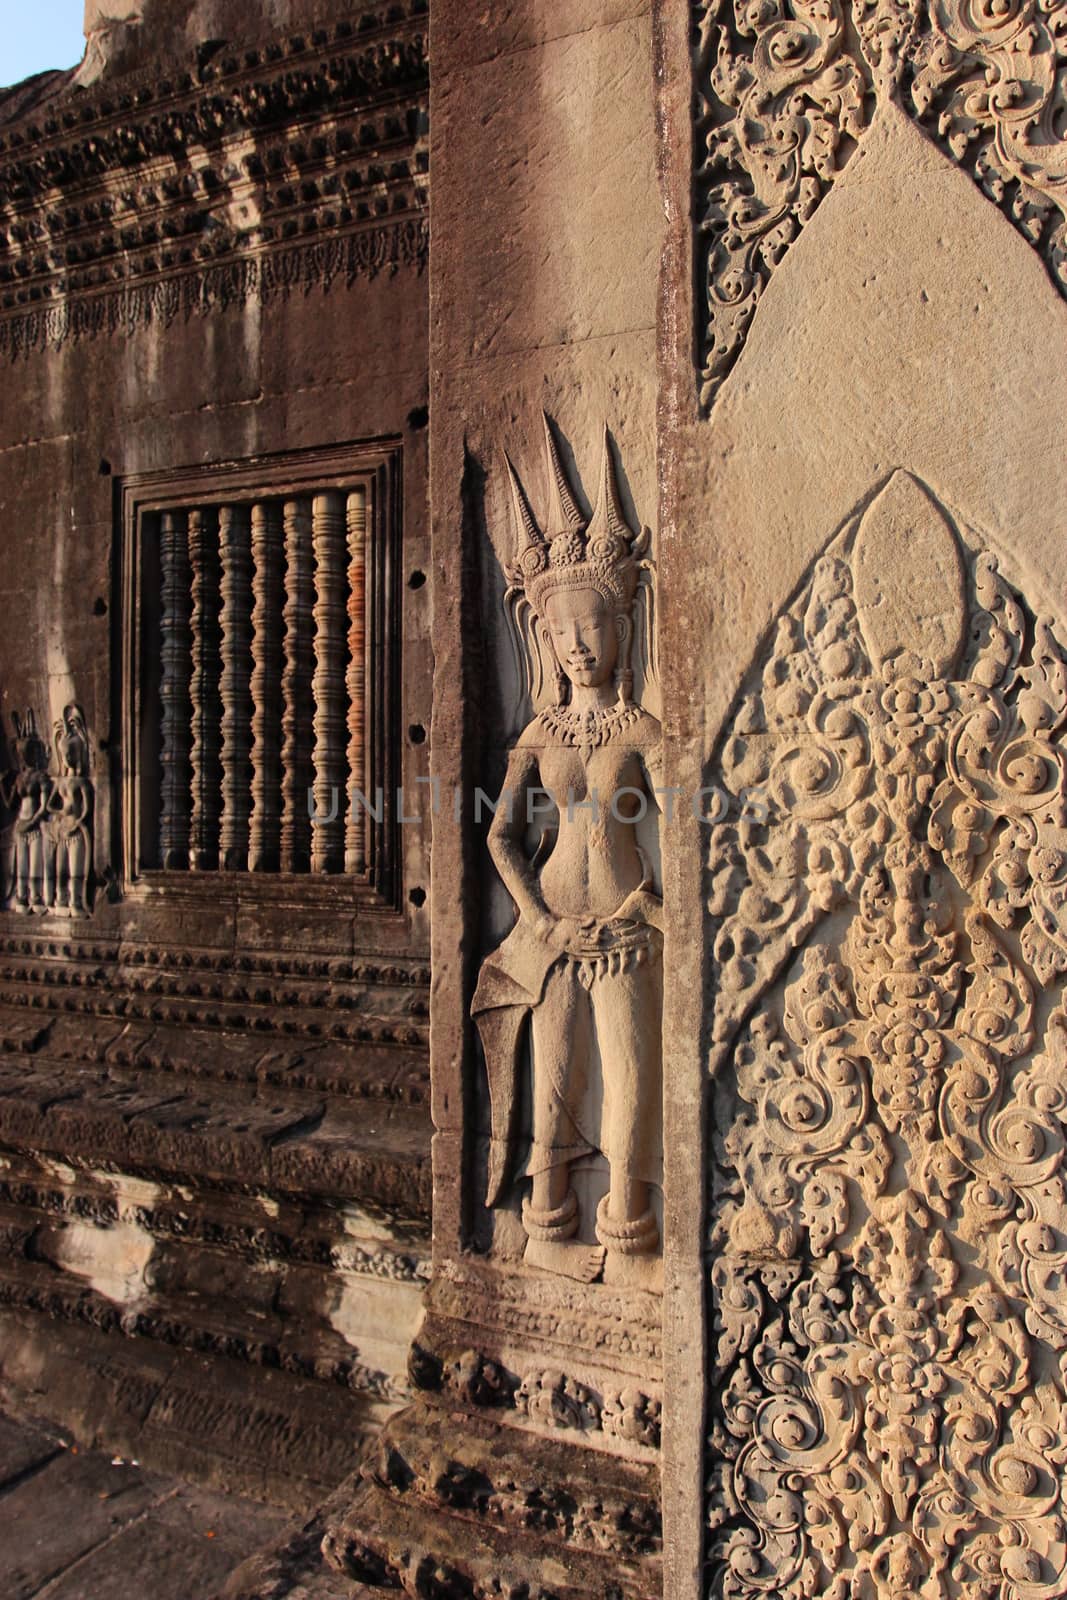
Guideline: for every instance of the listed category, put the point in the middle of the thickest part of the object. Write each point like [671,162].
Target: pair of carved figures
[51,834]
[583,964]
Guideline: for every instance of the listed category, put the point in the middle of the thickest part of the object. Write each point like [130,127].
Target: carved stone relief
[49,798]
[583,961]
[889,1230]
[549,1399]
[785,90]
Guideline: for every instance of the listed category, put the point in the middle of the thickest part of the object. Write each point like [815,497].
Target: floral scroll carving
[889,1237]
[786,88]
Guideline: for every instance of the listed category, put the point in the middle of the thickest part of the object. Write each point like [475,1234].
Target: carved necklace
[588,730]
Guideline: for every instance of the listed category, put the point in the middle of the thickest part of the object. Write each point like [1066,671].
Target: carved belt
[632,945]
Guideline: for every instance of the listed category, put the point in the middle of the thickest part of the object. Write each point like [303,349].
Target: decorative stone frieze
[320,1009]
[268,167]
[548,1399]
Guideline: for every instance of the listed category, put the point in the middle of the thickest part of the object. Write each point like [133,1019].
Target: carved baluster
[328,531]
[235,549]
[175,669]
[298,705]
[204,691]
[356,511]
[267,551]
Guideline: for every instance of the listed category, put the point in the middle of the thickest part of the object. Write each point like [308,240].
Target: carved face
[585,632]
[72,742]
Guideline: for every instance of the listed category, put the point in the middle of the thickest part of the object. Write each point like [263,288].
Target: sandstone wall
[903,322]
[547,229]
[214,1132]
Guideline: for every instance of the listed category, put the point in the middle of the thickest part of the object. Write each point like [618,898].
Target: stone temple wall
[828,1364]
[725,951]
[871,436]
[214,1121]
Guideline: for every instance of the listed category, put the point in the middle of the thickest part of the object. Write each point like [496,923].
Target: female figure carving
[583,962]
[72,806]
[31,787]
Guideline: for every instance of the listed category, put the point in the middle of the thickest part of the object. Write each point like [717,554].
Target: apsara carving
[890,1205]
[49,796]
[786,88]
[583,961]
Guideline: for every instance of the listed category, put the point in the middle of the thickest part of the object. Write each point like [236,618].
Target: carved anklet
[634,1238]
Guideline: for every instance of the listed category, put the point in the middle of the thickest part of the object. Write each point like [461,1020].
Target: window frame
[374,463]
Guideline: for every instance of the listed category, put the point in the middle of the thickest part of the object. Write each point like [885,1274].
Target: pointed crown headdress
[573,552]
[602,553]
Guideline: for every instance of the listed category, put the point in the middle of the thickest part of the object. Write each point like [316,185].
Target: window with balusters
[261,671]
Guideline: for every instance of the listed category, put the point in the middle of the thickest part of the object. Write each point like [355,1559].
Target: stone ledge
[450,1502]
[294,1145]
[209,1418]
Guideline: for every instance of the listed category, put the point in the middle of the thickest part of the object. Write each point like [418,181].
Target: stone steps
[158,1125]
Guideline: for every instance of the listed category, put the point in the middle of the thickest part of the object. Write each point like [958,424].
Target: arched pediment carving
[889,1199]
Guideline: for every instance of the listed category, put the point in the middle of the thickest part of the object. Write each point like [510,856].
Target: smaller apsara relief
[888,1247]
[48,796]
[580,973]
[785,90]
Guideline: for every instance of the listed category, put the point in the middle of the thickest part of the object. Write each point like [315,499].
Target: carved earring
[558,673]
[624,673]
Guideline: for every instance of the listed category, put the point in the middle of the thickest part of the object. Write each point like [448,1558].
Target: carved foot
[637,1236]
[583,1262]
[634,1272]
[632,1258]
[551,1246]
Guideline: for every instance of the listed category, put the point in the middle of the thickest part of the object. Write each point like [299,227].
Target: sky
[36,34]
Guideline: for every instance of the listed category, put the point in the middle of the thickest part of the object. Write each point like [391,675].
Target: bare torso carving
[583,961]
[52,838]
